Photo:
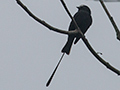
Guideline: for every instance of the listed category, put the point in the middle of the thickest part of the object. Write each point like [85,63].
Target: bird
[83,19]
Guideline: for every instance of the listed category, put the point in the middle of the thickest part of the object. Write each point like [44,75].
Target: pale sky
[29,51]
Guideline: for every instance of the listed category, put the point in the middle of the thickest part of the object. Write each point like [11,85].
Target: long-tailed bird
[84,20]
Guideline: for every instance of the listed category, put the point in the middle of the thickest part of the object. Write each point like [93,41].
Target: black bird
[84,20]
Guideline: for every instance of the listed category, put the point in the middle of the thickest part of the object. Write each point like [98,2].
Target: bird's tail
[66,49]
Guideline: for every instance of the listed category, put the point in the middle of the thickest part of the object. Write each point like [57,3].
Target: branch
[111,19]
[89,46]
[43,22]
[70,32]
[72,17]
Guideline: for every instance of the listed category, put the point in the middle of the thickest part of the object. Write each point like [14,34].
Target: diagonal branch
[90,47]
[111,19]
[43,22]
[71,17]
[68,33]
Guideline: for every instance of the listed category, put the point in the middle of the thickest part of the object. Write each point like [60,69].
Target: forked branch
[70,32]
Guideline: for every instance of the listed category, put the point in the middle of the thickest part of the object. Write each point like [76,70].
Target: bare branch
[64,5]
[70,32]
[111,19]
[89,46]
[43,22]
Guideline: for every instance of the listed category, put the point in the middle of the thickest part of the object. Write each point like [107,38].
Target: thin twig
[69,32]
[111,19]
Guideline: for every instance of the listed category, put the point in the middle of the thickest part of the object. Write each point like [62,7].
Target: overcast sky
[29,51]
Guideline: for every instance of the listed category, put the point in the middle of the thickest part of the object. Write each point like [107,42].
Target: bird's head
[85,8]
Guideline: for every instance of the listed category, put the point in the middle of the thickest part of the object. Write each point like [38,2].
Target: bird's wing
[83,20]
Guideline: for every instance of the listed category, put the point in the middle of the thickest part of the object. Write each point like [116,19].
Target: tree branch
[64,5]
[111,19]
[89,46]
[70,32]
[43,22]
